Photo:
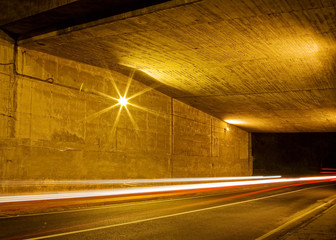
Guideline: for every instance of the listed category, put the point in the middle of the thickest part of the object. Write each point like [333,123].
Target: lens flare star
[123,102]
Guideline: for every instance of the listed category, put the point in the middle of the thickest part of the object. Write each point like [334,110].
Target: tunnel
[207,119]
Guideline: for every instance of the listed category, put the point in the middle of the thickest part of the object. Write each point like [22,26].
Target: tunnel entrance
[293,153]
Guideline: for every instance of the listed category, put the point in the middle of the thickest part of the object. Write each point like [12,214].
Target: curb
[297,220]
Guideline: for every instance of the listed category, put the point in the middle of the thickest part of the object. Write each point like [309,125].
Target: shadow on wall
[293,153]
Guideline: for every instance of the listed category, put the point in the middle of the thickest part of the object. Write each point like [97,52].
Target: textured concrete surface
[67,129]
[231,213]
[269,66]
[6,87]
[322,228]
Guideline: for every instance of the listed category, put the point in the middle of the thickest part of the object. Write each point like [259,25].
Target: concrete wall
[51,131]
[205,146]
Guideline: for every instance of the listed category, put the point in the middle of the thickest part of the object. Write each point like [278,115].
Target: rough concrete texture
[267,65]
[321,228]
[6,87]
[68,130]
[206,146]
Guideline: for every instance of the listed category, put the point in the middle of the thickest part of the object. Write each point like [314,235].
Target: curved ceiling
[265,66]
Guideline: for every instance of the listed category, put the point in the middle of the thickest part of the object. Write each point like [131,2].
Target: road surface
[230,213]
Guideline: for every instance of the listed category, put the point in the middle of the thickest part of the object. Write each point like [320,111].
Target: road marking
[111,206]
[153,189]
[285,225]
[166,216]
[120,205]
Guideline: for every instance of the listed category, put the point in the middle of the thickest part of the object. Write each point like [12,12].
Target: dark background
[293,153]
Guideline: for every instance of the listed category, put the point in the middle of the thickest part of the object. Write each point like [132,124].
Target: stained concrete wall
[7,96]
[50,128]
[205,146]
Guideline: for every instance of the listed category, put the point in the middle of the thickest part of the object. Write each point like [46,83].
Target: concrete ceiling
[264,65]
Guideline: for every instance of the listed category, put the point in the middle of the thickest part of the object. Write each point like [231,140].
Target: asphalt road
[232,213]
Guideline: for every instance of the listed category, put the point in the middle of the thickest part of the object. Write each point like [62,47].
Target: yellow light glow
[123,101]
[231,121]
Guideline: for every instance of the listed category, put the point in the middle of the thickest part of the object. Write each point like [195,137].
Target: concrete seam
[171,137]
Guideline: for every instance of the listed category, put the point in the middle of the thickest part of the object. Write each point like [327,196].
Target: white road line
[304,214]
[167,216]
[111,206]
[153,189]
[117,205]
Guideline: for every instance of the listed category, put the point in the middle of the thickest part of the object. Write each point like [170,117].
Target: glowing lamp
[122,101]
[234,121]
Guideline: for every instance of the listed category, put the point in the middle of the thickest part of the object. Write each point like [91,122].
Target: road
[229,213]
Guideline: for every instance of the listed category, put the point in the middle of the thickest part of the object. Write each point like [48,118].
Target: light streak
[122,102]
[328,170]
[116,88]
[234,122]
[65,233]
[126,181]
[156,189]
[217,200]
[81,86]
[132,119]
[129,82]
[114,127]
[104,95]
[96,114]
[144,91]
[147,110]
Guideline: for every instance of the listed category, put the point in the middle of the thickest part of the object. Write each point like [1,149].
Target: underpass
[155,119]
[255,211]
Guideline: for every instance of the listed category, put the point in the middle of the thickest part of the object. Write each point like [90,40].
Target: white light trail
[127,181]
[157,189]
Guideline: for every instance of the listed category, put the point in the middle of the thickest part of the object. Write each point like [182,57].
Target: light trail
[156,189]
[114,127]
[150,88]
[328,170]
[148,110]
[132,119]
[53,233]
[130,78]
[94,115]
[126,181]
[104,95]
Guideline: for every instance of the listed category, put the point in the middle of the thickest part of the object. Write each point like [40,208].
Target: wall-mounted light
[232,121]
[123,101]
